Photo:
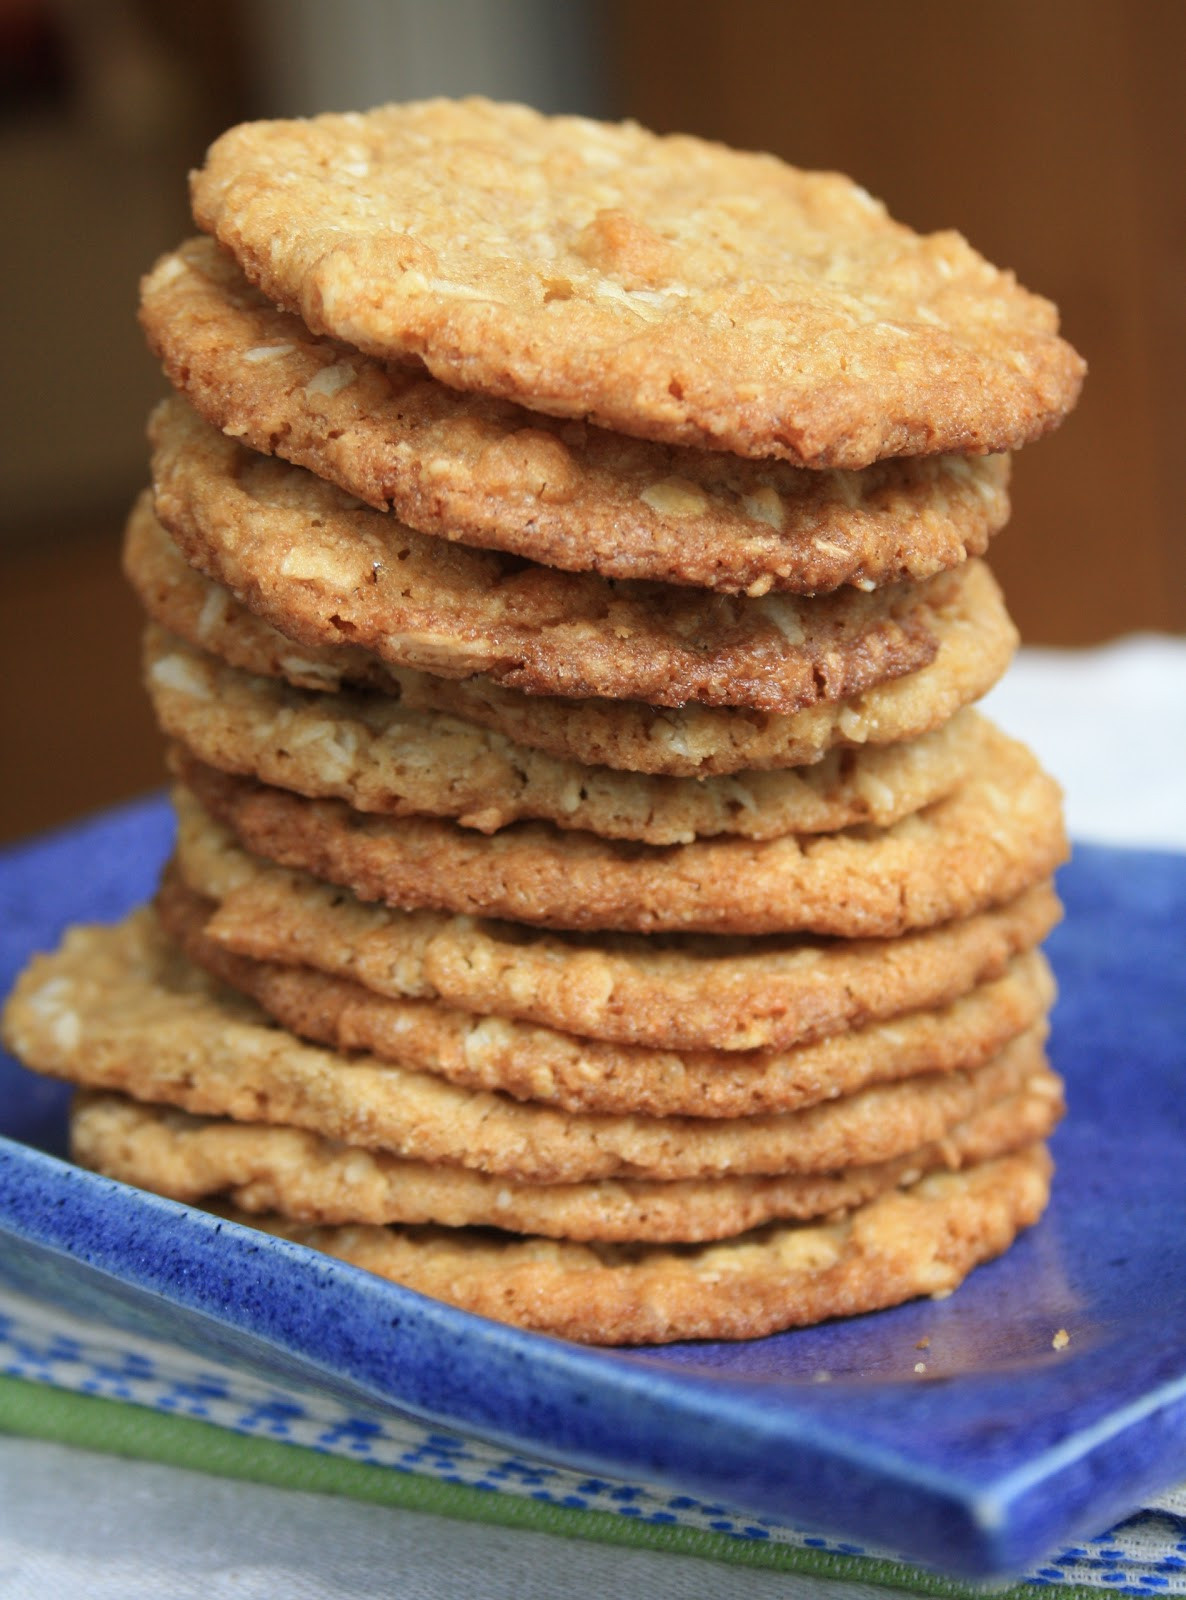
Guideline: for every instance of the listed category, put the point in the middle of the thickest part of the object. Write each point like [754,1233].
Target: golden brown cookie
[921,1241]
[209,617]
[975,638]
[299,1175]
[486,472]
[664,287]
[533,1063]
[325,570]
[120,1008]
[669,992]
[1000,832]
[378,755]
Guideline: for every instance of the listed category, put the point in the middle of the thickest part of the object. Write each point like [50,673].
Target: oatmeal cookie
[923,1240]
[120,1008]
[325,570]
[670,992]
[1000,832]
[380,755]
[540,1064]
[664,287]
[306,1178]
[483,471]
[975,639]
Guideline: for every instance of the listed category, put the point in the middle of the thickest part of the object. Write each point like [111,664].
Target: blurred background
[1049,133]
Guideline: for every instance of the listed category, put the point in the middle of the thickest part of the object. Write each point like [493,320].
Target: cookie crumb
[924,1343]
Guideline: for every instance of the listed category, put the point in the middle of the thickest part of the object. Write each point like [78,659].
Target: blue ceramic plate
[1004,1449]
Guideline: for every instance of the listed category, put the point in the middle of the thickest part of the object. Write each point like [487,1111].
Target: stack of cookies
[596,902]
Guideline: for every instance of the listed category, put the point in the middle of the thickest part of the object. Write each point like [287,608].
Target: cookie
[120,1008]
[664,287]
[996,835]
[540,1064]
[976,641]
[323,569]
[486,472]
[378,755]
[671,992]
[920,1241]
[306,1178]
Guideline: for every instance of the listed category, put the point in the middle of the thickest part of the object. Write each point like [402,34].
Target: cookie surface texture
[379,755]
[301,1176]
[674,992]
[664,287]
[924,1240]
[485,472]
[974,636]
[544,1065]
[122,1009]
[321,568]
[995,836]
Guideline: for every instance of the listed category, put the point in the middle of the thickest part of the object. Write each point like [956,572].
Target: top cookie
[663,287]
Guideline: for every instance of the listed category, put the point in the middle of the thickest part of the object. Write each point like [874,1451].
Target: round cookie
[921,1241]
[301,1176]
[975,638]
[539,1064]
[379,755]
[120,1008]
[323,569]
[1000,832]
[671,992]
[485,472]
[664,287]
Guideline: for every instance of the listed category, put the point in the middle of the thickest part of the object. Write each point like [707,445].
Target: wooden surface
[1052,136]
[75,726]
